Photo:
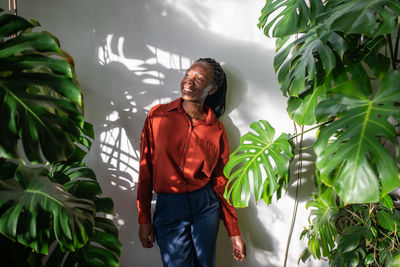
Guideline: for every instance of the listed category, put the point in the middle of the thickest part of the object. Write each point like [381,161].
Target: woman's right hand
[147,235]
[238,248]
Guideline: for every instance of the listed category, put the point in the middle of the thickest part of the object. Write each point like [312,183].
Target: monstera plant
[337,64]
[51,212]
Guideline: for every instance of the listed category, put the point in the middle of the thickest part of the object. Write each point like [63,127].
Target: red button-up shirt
[178,157]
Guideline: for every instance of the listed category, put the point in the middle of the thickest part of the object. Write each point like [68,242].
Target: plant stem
[396,46]
[296,199]
[309,130]
[392,59]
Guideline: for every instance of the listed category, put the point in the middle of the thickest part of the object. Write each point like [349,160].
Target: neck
[194,110]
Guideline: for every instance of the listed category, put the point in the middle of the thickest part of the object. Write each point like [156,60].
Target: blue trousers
[186,227]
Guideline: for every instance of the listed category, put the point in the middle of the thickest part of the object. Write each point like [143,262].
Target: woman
[184,149]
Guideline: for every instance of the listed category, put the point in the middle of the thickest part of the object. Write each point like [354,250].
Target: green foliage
[31,204]
[322,232]
[367,234]
[42,100]
[351,143]
[258,152]
[50,200]
[337,63]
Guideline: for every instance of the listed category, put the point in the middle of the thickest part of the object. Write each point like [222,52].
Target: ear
[212,90]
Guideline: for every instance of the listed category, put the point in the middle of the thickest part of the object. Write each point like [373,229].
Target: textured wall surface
[131,55]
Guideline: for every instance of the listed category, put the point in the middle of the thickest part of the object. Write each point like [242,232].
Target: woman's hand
[146,235]
[238,248]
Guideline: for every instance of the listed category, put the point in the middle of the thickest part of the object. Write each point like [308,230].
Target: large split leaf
[363,16]
[292,19]
[296,16]
[34,210]
[256,152]
[103,249]
[349,143]
[311,54]
[40,101]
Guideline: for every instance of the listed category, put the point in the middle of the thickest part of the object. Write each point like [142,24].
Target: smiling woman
[183,151]
[197,84]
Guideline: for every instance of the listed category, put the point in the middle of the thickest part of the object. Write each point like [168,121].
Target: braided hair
[216,101]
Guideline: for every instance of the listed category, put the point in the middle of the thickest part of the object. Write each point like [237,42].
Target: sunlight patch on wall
[107,55]
[157,102]
[119,156]
[112,51]
[186,7]
[226,19]
[168,60]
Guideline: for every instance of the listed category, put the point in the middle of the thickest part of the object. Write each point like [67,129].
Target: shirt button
[185,147]
[182,184]
[180,167]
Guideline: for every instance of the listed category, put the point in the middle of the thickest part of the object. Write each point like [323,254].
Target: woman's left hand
[238,247]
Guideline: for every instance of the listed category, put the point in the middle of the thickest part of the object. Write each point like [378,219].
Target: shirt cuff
[144,220]
[233,229]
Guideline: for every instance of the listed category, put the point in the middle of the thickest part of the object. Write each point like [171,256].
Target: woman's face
[197,83]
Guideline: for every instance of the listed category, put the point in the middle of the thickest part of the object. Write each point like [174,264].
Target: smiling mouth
[187,90]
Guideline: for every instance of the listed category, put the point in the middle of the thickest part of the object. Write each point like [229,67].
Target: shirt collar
[177,105]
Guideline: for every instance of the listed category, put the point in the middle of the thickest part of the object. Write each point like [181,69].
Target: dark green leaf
[293,17]
[379,64]
[37,196]
[103,249]
[302,109]
[351,237]
[356,133]
[322,216]
[369,259]
[363,16]
[387,202]
[104,205]
[10,24]
[28,41]
[386,220]
[40,100]
[311,54]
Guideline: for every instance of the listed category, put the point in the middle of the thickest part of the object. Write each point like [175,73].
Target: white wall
[130,55]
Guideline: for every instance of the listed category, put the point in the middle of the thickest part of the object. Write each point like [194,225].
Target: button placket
[185,150]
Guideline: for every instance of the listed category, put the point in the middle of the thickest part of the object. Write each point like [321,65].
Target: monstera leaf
[50,208]
[350,142]
[256,152]
[81,182]
[31,206]
[323,232]
[40,99]
[107,254]
[369,17]
[295,16]
[302,108]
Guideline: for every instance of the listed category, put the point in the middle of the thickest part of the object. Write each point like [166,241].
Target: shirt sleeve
[145,184]
[228,214]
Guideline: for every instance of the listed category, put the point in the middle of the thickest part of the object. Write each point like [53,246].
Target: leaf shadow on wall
[306,174]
